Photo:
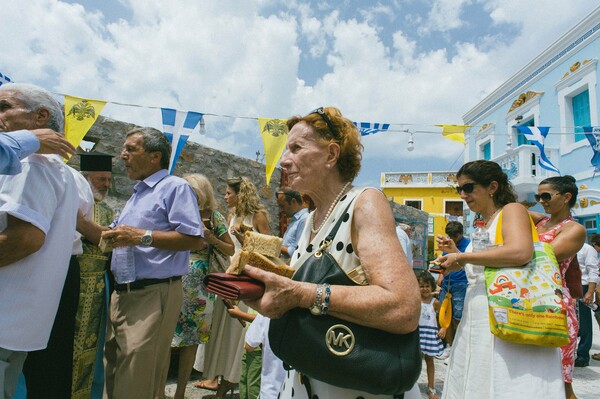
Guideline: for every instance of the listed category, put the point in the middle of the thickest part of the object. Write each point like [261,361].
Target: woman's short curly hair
[331,127]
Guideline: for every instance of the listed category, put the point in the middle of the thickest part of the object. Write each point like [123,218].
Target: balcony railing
[521,164]
[417,179]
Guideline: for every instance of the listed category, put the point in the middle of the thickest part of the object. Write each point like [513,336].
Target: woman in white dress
[322,158]
[223,352]
[481,365]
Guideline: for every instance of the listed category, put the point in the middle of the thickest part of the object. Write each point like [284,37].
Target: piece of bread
[238,261]
[104,245]
[263,244]
[266,263]
[270,264]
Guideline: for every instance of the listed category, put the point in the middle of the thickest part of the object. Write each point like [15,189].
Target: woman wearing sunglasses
[558,195]
[481,365]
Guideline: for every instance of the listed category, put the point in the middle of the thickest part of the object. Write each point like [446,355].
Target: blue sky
[407,62]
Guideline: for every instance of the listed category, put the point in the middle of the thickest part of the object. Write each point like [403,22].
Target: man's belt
[140,284]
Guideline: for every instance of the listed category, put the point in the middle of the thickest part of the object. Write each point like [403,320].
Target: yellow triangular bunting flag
[80,115]
[274,133]
[454,132]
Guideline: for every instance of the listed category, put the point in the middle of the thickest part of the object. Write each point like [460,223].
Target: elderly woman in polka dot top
[322,159]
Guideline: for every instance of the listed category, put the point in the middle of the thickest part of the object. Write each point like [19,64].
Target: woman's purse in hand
[445,316]
[337,351]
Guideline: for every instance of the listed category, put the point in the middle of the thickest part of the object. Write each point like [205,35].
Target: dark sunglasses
[544,196]
[326,119]
[467,188]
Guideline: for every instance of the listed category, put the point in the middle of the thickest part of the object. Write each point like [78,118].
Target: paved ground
[586,382]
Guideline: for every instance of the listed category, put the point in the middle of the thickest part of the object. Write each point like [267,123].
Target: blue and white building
[558,89]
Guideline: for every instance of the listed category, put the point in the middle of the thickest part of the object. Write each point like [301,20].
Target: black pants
[49,372]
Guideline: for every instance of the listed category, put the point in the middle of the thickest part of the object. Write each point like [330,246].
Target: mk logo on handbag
[339,340]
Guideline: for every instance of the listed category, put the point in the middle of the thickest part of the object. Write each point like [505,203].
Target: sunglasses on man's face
[544,196]
[467,188]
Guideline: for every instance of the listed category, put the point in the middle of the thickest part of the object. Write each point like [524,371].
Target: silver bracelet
[316,308]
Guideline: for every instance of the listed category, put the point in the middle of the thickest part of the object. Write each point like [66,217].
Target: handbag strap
[329,239]
[499,240]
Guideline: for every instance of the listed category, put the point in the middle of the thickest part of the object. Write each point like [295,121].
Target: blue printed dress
[431,344]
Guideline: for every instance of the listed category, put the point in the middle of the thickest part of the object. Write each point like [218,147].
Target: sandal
[224,388]
[207,384]
[596,356]
[432,393]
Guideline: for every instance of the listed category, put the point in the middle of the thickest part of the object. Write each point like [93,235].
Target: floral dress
[195,319]
[568,352]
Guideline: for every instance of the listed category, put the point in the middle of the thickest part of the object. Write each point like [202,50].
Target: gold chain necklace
[491,217]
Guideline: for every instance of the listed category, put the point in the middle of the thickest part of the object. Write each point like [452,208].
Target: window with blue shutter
[487,151]
[581,113]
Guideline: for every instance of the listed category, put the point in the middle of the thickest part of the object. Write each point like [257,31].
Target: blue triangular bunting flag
[592,133]
[366,128]
[536,135]
[177,126]
[4,79]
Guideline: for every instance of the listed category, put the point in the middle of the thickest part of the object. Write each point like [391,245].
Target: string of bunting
[81,113]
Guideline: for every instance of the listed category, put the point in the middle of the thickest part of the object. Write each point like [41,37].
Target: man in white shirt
[402,231]
[588,263]
[37,213]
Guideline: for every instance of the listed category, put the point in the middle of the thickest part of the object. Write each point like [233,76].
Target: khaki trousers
[138,341]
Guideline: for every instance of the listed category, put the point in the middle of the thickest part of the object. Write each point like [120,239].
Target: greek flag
[367,128]
[177,126]
[592,133]
[537,135]
[4,79]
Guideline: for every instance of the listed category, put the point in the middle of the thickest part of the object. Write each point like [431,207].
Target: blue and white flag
[4,79]
[537,135]
[592,133]
[177,126]
[366,128]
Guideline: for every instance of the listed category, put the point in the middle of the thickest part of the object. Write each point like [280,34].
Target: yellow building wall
[432,199]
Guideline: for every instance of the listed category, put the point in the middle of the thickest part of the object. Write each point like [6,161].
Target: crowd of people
[98,334]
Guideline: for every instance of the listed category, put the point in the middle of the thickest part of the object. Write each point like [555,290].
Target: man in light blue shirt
[17,145]
[290,202]
[161,221]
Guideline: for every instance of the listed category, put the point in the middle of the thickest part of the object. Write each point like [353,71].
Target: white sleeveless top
[343,252]
[341,248]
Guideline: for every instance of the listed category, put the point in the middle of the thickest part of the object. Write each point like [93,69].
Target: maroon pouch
[231,286]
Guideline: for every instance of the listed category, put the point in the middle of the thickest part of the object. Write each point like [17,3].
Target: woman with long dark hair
[558,195]
[482,365]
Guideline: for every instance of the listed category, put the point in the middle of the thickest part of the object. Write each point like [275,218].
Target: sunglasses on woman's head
[321,111]
[467,188]
[544,196]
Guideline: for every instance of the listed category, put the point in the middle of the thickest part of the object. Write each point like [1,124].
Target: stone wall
[217,166]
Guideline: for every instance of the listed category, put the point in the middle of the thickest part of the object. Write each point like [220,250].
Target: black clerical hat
[95,162]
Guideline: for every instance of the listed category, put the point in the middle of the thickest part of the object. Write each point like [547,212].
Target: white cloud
[444,15]
[242,58]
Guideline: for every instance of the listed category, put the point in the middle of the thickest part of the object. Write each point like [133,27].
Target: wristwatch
[146,240]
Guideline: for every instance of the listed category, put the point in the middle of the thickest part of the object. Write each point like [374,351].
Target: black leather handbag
[339,352]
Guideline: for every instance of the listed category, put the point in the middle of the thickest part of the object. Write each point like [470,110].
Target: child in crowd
[251,360]
[431,344]
[273,373]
